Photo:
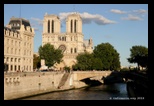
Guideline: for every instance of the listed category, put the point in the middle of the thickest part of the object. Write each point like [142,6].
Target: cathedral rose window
[62,47]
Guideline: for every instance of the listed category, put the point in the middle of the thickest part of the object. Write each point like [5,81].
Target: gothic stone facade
[71,42]
[18,45]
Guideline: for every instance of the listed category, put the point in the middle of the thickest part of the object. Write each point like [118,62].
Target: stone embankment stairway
[63,80]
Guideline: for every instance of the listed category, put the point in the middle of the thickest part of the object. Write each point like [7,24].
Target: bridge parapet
[79,75]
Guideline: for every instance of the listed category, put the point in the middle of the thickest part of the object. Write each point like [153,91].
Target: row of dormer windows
[11,33]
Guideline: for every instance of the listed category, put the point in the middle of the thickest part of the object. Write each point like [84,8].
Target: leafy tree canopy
[50,54]
[108,55]
[139,55]
[36,61]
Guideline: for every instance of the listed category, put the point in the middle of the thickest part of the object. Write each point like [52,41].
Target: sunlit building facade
[18,45]
[71,42]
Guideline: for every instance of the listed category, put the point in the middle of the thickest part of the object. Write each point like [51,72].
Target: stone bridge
[80,75]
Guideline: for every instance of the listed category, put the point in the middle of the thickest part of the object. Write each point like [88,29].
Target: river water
[102,92]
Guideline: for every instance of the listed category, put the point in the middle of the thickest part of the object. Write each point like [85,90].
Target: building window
[75,26]
[15,67]
[75,50]
[52,26]
[19,67]
[11,67]
[71,25]
[63,38]
[48,26]
[15,59]
[11,59]
[71,50]
[16,43]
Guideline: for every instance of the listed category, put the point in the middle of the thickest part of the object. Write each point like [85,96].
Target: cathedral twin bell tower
[71,42]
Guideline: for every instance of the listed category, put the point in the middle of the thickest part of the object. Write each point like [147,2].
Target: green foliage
[108,55]
[67,68]
[85,61]
[104,57]
[36,62]
[50,54]
[139,55]
[97,64]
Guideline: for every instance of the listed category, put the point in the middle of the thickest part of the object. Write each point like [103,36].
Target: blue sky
[121,25]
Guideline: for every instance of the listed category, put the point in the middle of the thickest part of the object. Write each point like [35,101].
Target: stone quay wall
[18,85]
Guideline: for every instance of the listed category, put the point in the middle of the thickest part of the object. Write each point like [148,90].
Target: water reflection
[102,92]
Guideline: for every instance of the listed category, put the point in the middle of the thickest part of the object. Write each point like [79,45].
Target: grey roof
[17,22]
[6,28]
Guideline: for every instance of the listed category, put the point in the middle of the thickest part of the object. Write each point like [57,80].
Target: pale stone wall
[17,85]
[26,84]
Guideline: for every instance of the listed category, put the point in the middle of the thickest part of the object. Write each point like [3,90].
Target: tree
[97,64]
[139,55]
[36,61]
[86,61]
[83,61]
[66,68]
[50,54]
[108,55]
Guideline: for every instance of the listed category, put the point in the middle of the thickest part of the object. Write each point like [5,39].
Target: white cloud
[39,21]
[140,11]
[117,11]
[35,22]
[88,18]
[132,18]
[63,16]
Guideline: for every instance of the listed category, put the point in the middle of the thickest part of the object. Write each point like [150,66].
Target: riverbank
[100,92]
[47,92]
[18,85]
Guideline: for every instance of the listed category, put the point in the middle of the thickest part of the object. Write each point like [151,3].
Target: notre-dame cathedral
[71,42]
